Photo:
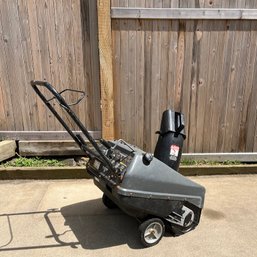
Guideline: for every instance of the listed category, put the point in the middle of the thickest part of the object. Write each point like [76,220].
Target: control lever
[105,143]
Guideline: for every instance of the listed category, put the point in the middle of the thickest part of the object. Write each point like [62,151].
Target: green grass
[32,162]
[40,162]
[206,162]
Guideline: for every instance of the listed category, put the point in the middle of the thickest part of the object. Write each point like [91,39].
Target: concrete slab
[67,218]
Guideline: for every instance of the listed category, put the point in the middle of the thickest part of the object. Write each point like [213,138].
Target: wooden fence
[200,62]
[203,67]
[47,40]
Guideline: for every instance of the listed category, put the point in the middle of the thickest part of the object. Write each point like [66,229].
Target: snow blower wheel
[108,202]
[151,232]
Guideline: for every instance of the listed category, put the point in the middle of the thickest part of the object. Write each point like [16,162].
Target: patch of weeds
[191,162]
[188,162]
[33,162]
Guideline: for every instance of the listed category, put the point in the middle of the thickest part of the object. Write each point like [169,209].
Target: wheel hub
[153,232]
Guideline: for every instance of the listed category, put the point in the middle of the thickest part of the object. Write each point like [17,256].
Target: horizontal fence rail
[184,13]
[43,135]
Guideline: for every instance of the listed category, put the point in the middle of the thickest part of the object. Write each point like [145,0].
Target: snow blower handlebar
[77,138]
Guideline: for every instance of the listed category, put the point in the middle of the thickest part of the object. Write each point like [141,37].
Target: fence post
[106,73]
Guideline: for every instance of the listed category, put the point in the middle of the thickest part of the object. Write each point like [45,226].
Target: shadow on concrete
[93,225]
[97,227]
[8,245]
[213,214]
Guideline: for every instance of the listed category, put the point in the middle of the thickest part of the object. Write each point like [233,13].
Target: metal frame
[76,137]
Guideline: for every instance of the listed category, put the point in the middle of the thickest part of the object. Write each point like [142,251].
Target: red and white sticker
[174,150]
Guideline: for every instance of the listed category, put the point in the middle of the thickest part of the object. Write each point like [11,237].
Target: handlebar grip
[57,95]
[49,87]
[38,83]
[106,143]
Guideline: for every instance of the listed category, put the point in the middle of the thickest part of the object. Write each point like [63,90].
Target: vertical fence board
[106,72]
[203,35]
[187,69]
[217,88]
[246,120]
[6,106]
[116,70]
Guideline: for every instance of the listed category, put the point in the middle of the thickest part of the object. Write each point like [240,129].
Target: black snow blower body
[144,186]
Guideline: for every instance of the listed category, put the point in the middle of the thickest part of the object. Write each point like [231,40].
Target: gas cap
[147,158]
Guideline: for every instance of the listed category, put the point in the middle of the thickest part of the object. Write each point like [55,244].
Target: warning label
[174,150]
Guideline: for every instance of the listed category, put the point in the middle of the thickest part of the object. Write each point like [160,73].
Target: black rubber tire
[146,225]
[178,231]
[108,202]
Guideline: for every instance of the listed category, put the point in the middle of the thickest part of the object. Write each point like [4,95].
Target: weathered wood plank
[148,27]
[158,69]
[140,80]
[226,69]
[195,4]
[86,37]
[132,83]
[183,13]
[187,81]
[124,78]
[124,98]
[106,72]
[203,35]
[211,103]
[43,41]
[42,135]
[165,28]
[217,85]
[3,118]
[246,123]
[94,60]
[218,170]
[252,116]
[27,60]
[49,148]
[179,67]
[36,63]
[7,149]
[172,58]
[221,157]
[115,3]
[155,114]
[79,55]
[13,60]
[116,79]
[241,83]
[232,86]
[6,112]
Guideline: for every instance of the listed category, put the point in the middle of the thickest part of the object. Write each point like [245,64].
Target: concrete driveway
[67,218]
